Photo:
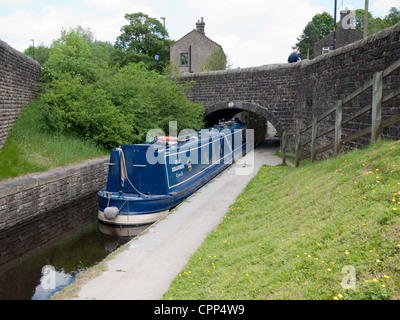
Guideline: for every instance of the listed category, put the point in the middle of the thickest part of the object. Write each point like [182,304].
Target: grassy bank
[29,149]
[328,230]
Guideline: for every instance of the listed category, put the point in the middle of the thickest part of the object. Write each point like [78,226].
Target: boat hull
[132,220]
[139,192]
[155,209]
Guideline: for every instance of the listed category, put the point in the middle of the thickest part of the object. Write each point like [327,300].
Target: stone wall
[23,199]
[332,77]
[290,92]
[18,77]
[272,87]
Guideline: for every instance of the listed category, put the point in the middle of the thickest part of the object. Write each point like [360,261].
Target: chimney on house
[200,26]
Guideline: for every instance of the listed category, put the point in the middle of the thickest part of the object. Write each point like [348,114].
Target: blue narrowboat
[146,180]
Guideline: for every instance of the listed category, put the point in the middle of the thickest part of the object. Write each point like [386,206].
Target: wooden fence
[377,124]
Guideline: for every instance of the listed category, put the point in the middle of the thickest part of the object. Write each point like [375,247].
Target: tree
[70,55]
[323,22]
[307,40]
[320,26]
[40,53]
[87,34]
[151,100]
[82,95]
[376,24]
[102,52]
[393,17]
[217,61]
[141,40]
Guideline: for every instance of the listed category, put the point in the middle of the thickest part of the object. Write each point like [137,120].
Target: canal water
[43,256]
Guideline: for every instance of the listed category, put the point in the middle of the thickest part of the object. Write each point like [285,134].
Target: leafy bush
[72,55]
[152,100]
[83,110]
[105,105]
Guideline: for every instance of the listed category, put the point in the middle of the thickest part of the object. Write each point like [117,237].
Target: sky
[251,32]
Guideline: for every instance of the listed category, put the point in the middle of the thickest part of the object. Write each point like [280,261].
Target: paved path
[146,269]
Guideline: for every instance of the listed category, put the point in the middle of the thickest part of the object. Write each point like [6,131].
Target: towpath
[145,270]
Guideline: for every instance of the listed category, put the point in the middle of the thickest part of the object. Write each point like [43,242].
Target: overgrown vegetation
[89,101]
[324,231]
[107,105]
[29,149]
[217,61]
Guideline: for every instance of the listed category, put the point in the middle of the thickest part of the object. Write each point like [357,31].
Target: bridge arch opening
[257,117]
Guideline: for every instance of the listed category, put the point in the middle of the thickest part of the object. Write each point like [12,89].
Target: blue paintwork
[161,175]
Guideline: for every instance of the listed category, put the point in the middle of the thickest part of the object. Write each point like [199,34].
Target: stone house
[344,36]
[193,49]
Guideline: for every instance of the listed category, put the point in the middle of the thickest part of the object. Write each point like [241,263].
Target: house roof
[196,33]
[348,36]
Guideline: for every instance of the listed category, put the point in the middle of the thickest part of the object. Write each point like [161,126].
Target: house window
[326,50]
[184,60]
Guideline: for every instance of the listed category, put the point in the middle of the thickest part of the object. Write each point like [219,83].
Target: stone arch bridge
[284,93]
[254,114]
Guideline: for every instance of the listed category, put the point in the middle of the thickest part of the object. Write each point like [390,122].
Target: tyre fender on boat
[110,213]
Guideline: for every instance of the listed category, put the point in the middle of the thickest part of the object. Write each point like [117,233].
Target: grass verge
[28,149]
[328,230]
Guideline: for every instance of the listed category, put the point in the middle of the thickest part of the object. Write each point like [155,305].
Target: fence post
[284,138]
[376,107]
[314,138]
[338,127]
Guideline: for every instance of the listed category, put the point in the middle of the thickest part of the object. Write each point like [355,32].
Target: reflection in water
[113,237]
[69,258]
[22,275]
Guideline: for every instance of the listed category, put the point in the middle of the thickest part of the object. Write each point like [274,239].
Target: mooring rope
[124,174]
